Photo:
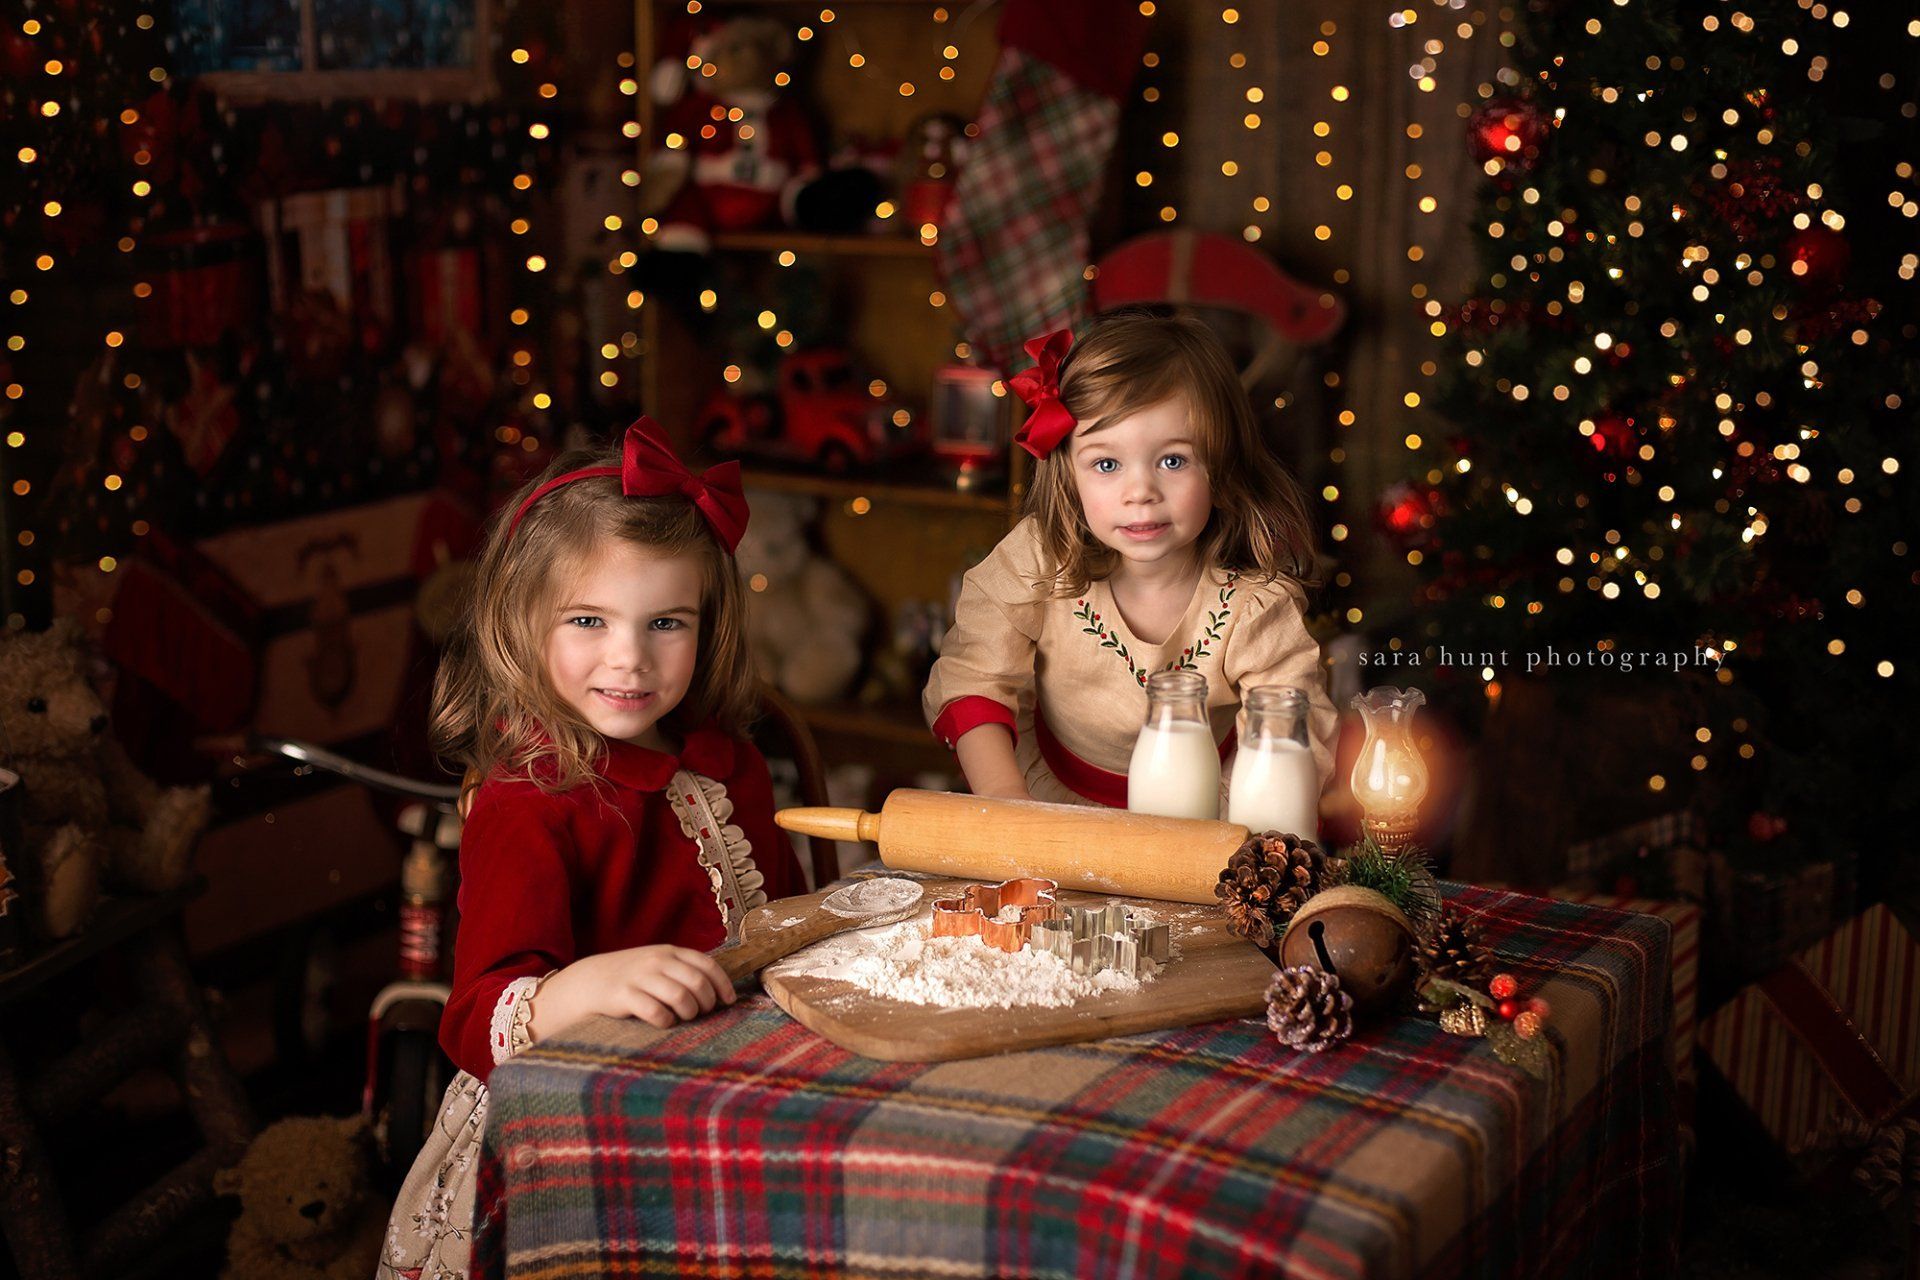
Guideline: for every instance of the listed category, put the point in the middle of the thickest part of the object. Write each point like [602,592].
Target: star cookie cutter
[972,913]
[1090,939]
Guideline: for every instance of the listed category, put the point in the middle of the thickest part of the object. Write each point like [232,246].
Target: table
[745,1144]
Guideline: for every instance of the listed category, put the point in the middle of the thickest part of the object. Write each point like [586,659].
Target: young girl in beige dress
[1161,535]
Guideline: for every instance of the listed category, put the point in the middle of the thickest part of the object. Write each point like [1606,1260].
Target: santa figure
[737,149]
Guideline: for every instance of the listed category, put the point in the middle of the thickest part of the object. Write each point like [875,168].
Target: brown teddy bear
[87,811]
[307,1205]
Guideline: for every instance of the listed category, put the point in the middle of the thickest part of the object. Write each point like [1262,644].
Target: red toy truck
[822,414]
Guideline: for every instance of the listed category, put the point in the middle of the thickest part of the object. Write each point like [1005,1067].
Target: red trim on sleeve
[970,712]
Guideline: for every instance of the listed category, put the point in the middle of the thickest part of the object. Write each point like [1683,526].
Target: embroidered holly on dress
[1189,659]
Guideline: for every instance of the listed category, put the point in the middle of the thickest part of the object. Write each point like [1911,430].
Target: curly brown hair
[495,710]
[1133,357]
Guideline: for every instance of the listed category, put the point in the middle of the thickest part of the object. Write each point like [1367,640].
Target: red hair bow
[1049,423]
[649,468]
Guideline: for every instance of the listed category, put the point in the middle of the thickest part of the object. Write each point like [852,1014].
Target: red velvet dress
[546,879]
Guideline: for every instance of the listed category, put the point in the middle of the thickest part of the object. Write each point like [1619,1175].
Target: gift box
[343,658]
[1661,857]
[1829,1037]
[446,295]
[203,281]
[1755,916]
[339,639]
[184,629]
[1684,918]
[1762,916]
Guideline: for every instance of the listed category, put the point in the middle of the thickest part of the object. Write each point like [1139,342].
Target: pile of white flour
[906,962]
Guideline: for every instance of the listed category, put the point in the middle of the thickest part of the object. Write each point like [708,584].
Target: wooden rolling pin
[1099,850]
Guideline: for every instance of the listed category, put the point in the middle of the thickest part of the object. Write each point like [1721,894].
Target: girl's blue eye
[1106,466]
[585,621]
[1174,461]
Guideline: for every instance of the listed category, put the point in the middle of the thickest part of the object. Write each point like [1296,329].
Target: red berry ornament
[1502,987]
[1508,1009]
[1528,1024]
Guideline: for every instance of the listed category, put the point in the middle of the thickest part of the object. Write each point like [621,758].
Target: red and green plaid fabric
[743,1144]
[1015,255]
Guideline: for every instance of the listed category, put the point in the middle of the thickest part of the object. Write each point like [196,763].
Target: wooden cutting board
[1215,975]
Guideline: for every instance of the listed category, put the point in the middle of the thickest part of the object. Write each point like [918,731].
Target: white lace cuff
[512,1016]
[704,810]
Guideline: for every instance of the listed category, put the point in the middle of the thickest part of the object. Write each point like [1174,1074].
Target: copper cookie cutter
[971,915]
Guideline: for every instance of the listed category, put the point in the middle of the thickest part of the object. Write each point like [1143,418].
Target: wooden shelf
[897,723]
[117,918]
[851,488]
[807,4]
[805,242]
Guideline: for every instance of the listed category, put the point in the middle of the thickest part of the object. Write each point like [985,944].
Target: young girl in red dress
[621,824]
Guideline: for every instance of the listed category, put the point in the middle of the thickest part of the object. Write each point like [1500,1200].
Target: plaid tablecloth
[743,1144]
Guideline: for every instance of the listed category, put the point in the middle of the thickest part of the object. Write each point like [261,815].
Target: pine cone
[1266,881]
[1307,1009]
[1456,953]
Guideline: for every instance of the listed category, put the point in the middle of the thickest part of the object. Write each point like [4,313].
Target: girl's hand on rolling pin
[660,985]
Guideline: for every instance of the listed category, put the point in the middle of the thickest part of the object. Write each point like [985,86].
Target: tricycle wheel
[417,1076]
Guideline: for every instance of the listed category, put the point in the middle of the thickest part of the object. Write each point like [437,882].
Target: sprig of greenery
[1404,879]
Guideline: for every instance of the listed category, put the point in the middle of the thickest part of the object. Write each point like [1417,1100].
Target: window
[289,49]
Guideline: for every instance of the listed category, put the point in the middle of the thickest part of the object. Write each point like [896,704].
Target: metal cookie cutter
[1090,939]
[972,914]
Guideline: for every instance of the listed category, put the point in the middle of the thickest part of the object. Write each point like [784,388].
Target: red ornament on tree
[1613,434]
[1818,256]
[1510,130]
[1407,513]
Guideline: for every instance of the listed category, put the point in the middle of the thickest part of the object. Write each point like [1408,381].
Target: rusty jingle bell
[1358,935]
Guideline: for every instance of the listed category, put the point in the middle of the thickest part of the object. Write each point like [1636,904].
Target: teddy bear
[805,615]
[89,816]
[307,1205]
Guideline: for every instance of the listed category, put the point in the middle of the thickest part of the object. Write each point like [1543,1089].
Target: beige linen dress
[1068,669]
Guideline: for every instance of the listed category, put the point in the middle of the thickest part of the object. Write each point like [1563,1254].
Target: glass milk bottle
[1175,770]
[1276,786]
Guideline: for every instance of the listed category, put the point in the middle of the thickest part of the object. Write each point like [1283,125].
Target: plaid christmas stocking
[1015,251]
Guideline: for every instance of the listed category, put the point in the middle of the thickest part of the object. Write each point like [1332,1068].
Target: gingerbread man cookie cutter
[973,913]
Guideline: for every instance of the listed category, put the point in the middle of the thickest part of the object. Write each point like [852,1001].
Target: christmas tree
[1682,384]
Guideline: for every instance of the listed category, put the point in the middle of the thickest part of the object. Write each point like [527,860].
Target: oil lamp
[1390,777]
